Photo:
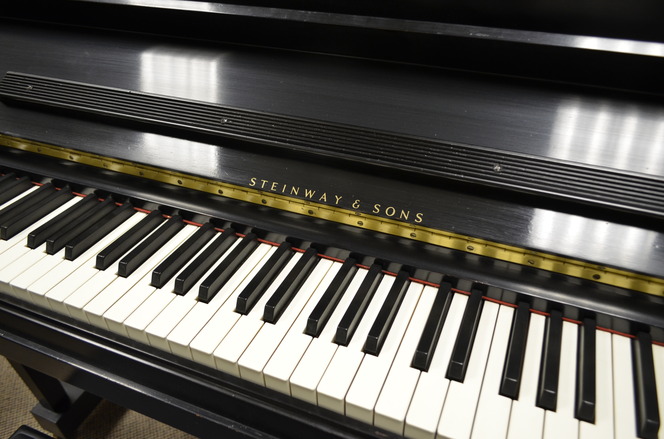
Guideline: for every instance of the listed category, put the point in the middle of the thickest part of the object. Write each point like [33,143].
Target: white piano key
[139,320]
[228,353]
[183,334]
[232,347]
[25,193]
[64,279]
[173,315]
[603,426]
[91,287]
[115,316]
[394,399]
[38,289]
[94,310]
[458,415]
[562,422]
[203,345]
[367,384]
[38,268]
[624,411]
[179,308]
[157,308]
[311,369]
[24,261]
[429,397]
[92,299]
[339,375]
[285,359]
[658,360]
[319,354]
[493,409]
[163,324]
[526,419]
[267,340]
[16,247]
[13,252]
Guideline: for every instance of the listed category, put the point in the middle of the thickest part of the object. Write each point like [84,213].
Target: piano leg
[61,407]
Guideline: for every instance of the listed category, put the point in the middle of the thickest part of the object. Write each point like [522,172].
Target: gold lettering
[313,194]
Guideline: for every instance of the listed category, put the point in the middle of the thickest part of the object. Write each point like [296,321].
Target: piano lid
[547,40]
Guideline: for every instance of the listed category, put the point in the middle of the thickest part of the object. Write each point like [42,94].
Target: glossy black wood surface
[541,40]
[309,139]
[613,130]
[637,20]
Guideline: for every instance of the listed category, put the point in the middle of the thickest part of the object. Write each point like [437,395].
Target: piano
[336,219]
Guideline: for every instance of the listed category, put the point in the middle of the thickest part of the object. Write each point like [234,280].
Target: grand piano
[336,219]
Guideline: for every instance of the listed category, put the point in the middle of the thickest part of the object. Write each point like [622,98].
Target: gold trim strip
[468,244]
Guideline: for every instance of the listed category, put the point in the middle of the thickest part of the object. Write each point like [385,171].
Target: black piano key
[26,204]
[13,187]
[58,240]
[39,236]
[130,238]
[6,180]
[261,282]
[351,319]
[547,388]
[226,268]
[645,387]
[278,302]
[584,408]
[381,326]
[433,327]
[179,258]
[204,261]
[328,302]
[463,345]
[137,256]
[510,382]
[10,229]
[90,236]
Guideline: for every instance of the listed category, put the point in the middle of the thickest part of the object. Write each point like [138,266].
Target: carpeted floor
[107,421]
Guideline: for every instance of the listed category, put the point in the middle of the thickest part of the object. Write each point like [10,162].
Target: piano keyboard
[413,358]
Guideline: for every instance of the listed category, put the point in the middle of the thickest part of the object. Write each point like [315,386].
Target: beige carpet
[107,421]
